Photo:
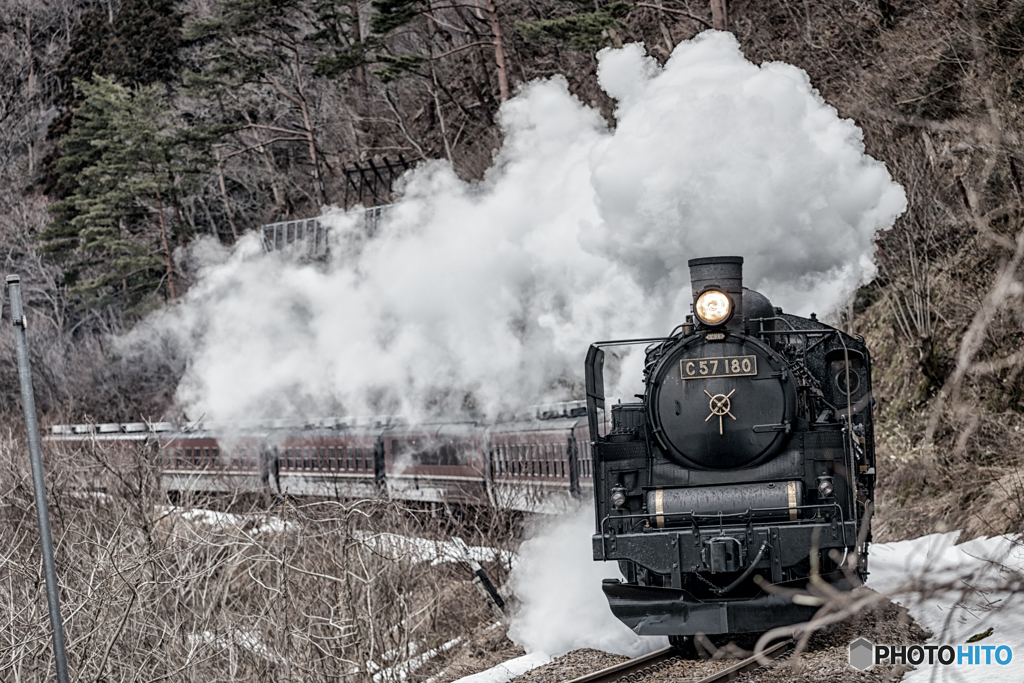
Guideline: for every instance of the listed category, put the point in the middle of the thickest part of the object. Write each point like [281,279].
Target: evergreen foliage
[146,40]
[396,67]
[392,14]
[123,172]
[587,31]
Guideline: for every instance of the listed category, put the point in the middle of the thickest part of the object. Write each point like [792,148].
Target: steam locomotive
[747,467]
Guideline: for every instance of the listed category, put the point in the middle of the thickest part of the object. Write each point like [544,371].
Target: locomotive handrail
[628,342]
[824,331]
[764,320]
[748,513]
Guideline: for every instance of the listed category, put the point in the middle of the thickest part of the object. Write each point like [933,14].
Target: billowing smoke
[480,297]
[562,606]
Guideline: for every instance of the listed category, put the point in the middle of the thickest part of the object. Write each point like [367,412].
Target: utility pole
[28,404]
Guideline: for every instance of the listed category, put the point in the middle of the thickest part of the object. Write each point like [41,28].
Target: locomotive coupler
[723,554]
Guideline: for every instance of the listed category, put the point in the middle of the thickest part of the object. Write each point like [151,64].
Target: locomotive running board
[653,611]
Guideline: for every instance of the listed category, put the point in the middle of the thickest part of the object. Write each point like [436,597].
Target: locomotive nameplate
[722,366]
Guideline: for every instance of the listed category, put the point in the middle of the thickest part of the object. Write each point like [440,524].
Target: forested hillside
[127,129]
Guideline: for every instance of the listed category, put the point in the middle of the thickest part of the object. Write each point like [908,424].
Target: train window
[429,452]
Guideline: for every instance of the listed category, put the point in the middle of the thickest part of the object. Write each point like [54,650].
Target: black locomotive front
[747,468]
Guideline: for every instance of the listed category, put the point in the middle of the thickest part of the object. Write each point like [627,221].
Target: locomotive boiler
[746,468]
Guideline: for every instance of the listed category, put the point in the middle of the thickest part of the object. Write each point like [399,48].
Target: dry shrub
[237,590]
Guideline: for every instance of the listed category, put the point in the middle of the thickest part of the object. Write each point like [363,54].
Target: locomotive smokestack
[723,274]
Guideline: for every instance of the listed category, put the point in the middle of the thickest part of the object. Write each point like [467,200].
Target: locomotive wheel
[685,646]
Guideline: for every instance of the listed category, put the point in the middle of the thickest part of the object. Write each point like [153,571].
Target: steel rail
[633,666]
[750,663]
[626,668]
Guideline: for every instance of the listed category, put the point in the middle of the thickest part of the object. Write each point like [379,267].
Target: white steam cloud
[562,606]
[484,296]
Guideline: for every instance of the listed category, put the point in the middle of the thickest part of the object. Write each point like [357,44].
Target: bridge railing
[310,234]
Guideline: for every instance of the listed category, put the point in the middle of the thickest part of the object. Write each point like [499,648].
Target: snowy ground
[958,591]
[954,591]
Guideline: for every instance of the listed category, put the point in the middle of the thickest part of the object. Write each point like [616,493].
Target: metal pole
[28,403]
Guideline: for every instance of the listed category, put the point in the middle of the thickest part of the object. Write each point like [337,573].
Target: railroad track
[636,669]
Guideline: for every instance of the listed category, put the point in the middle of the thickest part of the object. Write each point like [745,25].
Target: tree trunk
[719,15]
[499,50]
[171,289]
[357,36]
[224,196]
[307,123]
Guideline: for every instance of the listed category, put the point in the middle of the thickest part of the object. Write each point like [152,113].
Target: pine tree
[588,31]
[124,170]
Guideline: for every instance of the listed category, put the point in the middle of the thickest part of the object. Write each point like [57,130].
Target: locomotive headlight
[713,307]
[825,486]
